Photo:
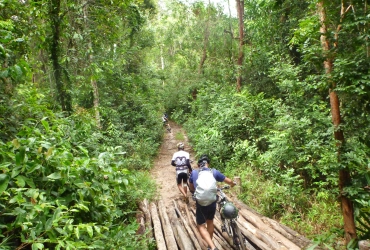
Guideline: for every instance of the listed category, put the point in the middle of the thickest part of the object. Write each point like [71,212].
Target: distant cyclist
[165,118]
[181,160]
[165,122]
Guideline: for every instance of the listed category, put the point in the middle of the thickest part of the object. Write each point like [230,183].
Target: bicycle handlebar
[224,187]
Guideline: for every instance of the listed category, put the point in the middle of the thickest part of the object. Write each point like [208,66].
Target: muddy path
[163,172]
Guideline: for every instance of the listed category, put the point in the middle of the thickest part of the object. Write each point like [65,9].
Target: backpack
[206,191]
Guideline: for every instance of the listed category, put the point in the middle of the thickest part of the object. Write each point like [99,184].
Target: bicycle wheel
[228,228]
[238,238]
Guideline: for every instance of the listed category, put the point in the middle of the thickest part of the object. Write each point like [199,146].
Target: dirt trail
[163,173]
[262,232]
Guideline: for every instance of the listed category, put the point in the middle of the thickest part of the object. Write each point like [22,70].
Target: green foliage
[82,182]
[224,120]
[63,186]
[64,182]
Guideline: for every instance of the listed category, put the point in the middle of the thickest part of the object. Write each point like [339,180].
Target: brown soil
[163,172]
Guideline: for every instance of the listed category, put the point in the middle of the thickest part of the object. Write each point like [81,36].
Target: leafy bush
[61,187]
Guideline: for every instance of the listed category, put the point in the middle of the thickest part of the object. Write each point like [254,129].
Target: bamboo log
[144,207]
[296,234]
[229,239]
[217,227]
[161,245]
[181,237]
[241,206]
[181,207]
[261,240]
[140,219]
[221,240]
[192,236]
[167,229]
[217,224]
[253,239]
[258,223]
[296,238]
[193,225]
[215,240]
[291,235]
[364,244]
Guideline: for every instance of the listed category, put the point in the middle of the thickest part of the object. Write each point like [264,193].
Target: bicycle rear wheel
[168,128]
[238,238]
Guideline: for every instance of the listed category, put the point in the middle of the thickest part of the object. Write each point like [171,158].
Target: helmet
[203,158]
[180,146]
[229,211]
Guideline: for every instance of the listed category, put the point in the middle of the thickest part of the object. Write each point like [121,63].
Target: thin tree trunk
[93,82]
[231,55]
[55,18]
[205,43]
[94,85]
[240,11]
[344,175]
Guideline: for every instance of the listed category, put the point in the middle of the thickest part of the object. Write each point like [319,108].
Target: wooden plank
[161,245]
[166,225]
[187,227]
[193,225]
[181,237]
[144,207]
[258,223]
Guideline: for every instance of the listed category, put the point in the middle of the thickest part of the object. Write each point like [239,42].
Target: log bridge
[174,227]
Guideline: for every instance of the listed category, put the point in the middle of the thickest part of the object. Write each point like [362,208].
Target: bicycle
[167,125]
[229,215]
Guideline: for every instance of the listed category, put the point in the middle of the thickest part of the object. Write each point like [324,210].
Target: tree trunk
[93,82]
[240,11]
[94,85]
[55,20]
[344,175]
[231,55]
[205,43]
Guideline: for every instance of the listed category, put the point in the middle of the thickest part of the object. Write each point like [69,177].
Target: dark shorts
[204,213]
[182,177]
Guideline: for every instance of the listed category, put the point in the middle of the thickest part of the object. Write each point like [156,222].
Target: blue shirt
[194,176]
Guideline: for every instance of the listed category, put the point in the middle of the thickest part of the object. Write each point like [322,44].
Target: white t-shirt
[180,158]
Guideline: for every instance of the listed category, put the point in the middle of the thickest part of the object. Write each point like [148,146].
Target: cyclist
[205,214]
[166,122]
[165,119]
[181,160]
